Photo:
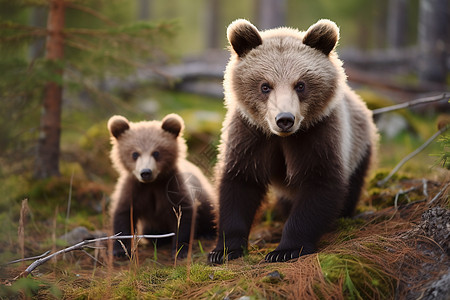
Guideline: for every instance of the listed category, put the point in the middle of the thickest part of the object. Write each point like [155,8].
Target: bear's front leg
[316,207]
[239,200]
[181,240]
[122,225]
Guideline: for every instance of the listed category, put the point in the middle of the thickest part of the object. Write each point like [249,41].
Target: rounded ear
[243,37]
[117,125]
[322,36]
[173,124]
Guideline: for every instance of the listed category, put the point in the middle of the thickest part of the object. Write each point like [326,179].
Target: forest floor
[397,247]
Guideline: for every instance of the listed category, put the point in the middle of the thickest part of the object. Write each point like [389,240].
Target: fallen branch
[402,192]
[81,245]
[411,103]
[438,194]
[27,258]
[412,154]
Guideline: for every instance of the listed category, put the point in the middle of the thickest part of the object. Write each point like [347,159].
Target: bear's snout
[285,121]
[146,175]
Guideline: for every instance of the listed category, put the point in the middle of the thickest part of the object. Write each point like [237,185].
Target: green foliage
[150,282]
[444,159]
[96,46]
[116,50]
[347,227]
[11,189]
[360,278]
[28,288]
[93,146]
[374,100]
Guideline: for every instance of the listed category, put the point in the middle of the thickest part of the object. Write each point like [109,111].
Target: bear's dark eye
[299,87]
[155,154]
[265,88]
[135,155]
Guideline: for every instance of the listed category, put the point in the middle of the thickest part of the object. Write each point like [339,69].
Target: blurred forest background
[67,66]
[91,59]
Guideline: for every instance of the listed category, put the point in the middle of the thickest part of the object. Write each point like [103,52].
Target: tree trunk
[433,37]
[213,25]
[47,162]
[397,24]
[144,10]
[271,13]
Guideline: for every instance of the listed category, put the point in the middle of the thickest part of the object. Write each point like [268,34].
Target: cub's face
[146,149]
[283,79]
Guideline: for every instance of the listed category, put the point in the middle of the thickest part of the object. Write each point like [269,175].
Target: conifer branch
[92,12]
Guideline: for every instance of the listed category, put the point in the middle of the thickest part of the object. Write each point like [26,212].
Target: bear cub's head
[282,80]
[148,149]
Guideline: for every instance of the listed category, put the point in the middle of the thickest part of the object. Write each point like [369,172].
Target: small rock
[80,234]
[435,224]
[273,277]
[392,124]
[440,289]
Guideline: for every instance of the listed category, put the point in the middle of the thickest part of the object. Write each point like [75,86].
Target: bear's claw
[219,257]
[282,255]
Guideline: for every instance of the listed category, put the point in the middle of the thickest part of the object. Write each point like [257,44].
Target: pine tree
[89,52]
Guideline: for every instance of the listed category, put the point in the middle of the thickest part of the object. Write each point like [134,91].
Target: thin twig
[27,258]
[412,154]
[191,238]
[96,247]
[425,187]
[178,215]
[69,202]
[93,258]
[125,250]
[21,229]
[438,194]
[401,192]
[82,244]
[396,199]
[411,103]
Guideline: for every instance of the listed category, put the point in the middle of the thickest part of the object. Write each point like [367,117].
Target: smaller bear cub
[156,178]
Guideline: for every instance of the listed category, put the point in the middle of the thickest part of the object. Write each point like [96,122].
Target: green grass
[361,278]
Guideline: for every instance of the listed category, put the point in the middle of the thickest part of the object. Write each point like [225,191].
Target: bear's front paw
[119,252]
[119,249]
[219,257]
[282,255]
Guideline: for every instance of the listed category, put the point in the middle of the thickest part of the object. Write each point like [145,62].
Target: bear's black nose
[285,120]
[146,174]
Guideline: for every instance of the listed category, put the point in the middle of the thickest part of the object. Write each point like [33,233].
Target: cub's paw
[219,257]
[118,252]
[282,255]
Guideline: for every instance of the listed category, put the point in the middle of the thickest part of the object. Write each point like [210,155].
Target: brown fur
[155,177]
[293,124]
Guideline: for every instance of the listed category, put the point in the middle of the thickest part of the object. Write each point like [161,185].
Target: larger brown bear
[156,179]
[293,124]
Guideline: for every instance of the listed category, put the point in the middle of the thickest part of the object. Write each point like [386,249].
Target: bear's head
[147,149]
[282,79]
